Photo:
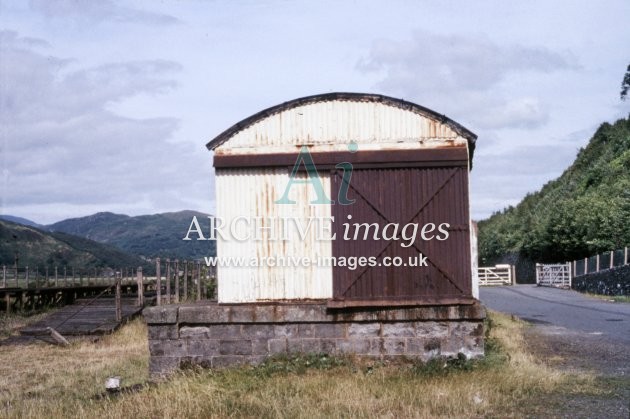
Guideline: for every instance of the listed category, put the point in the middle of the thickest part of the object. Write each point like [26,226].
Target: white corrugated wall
[337,123]
[474,259]
[252,193]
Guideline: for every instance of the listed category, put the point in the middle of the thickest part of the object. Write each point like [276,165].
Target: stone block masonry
[615,281]
[216,335]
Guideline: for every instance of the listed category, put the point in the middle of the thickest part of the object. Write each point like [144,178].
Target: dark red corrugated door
[404,195]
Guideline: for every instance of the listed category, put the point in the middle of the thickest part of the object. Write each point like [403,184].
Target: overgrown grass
[48,381]
[10,324]
[41,380]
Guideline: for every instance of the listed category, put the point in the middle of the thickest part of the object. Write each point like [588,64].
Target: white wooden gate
[496,275]
[554,275]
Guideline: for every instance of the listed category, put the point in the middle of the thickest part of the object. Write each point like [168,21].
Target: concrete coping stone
[282,312]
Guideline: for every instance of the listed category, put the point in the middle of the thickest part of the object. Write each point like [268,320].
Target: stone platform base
[214,335]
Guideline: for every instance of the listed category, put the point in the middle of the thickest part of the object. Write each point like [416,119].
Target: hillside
[20,220]
[157,235]
[585,211]
[37,248]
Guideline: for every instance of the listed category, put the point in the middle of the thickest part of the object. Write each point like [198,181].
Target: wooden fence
[20,291]
[497,275]
[63,277]
[599,262]
[175,282]
[554,275]
[179,281]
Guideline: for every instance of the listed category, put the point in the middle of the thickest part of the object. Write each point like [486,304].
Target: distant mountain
[150,236]
[583,212]
[20,220]
[38,248]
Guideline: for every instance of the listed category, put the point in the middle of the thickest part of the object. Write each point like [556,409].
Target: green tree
[625,84]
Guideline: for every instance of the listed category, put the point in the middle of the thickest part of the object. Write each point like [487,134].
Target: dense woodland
[583,212]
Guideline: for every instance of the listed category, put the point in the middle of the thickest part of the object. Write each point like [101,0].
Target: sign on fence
[553,275]
[497,275]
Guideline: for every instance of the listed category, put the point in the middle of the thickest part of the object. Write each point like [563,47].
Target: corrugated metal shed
[411,166]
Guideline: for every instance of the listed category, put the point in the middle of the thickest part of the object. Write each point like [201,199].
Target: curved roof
[341,96]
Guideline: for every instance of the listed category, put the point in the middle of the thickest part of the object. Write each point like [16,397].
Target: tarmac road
[564,308]
[574,333]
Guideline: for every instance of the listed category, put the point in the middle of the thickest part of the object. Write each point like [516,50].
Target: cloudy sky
[107,105]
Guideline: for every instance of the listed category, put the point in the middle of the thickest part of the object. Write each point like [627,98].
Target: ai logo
[304,157]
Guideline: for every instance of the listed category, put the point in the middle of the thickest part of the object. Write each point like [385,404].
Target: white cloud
[435,62]
[61,144]
[525,112]
[98,11]
[464,75]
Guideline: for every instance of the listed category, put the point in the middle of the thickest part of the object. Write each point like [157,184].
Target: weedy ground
[41,380]
[10,324]
[612,298]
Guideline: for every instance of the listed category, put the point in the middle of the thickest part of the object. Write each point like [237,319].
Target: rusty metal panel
[252,193]
[444,156]
[332,125]
[406,195]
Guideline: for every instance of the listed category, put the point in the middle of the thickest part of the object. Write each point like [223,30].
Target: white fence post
[625,255]
[597,263]
[612,255]
[585,266]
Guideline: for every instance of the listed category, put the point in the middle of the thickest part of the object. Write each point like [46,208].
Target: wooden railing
[179,281]
[497,275]
[554,275]
[175,281]
[64,277]
[23,292]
